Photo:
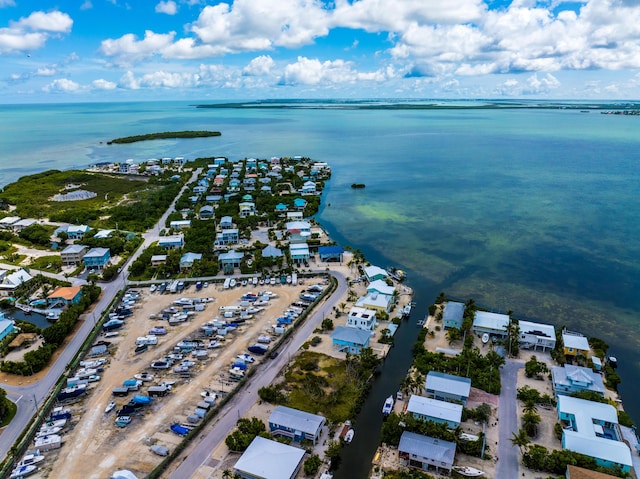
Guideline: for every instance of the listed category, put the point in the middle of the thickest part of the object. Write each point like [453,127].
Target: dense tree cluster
[247,430]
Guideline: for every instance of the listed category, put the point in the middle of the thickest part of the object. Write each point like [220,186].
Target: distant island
[166,135]
[357,185]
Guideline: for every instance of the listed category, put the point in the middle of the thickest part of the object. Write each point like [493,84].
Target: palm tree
[227,474]
[530,421]
[530,407]
[520,439]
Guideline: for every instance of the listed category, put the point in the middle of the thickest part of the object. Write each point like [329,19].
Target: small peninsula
[165,135]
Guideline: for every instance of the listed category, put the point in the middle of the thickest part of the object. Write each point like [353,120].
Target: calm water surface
[529,210]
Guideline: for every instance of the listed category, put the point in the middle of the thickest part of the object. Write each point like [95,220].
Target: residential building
[74,232]
[64,296]
[10,280]
[381,302]
[299,204]
[375,272]
[425,452]
[180,224]
[308,188]
[299,252]
[72,255]
[7,221]
[447,387]
[226,222]
[349,340]
[171,242]
[569,379]
[493,324]
[158,260]
[97,258]
[104,234]
[429,409]
[246,208]
[330,253]
[591,428]
[267,459]
[295,424]
[229,261]
[206,212]
[7,326]
[298,231]
[188,259]
[281,208]
[453,315]
[294,215]
[361,318]
[271,252]
[536,335]
[575,344]
[227,236]
[380,286]
[22,224]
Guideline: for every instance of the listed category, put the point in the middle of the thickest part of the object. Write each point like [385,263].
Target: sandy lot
[94,446]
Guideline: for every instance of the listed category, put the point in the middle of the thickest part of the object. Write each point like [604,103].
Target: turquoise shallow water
[530,210]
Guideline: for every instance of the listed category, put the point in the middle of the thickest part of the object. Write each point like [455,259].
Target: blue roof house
[97,258]
[349,340]
[295,424]
[299,203]
[187,260]
[7,326]
[330,253]
[447,387]
[428,409]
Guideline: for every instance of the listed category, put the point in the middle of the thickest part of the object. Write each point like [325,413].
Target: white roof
[103,233]
[575,341]
[296,419]
[372,271]
[73,248]
[538,329]
[598,447]
[9,220]
[24,223]
[5,323]
[363,313]
[493,321]
[159,257]
[269,459]
[298,225]
[77,228]
[16,277]
[170,239]
[299,248]
[456,385]
[381,287]
[96,252]
[442,410]
[374,299]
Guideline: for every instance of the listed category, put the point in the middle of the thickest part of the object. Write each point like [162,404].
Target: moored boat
[232,283]
[388,406]
[349,436]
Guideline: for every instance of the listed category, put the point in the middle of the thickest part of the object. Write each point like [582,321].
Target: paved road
[238,406]
[508,463]
[27,397]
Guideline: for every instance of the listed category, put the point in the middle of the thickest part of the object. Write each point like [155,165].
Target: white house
[493,324]
[380,286]
[375,272]
[267,459]
[428,409]
[10,280]
[361,318]
[537,335]
[381,302]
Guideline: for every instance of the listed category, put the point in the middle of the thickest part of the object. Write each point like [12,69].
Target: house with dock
[267,459]
[65,296]
[452,315]
[426,453]
[569,379]
[428,409]
[447,387]
[295,424]
[493,324]
[349,340]
[575,344]
[373,273]
[536,335]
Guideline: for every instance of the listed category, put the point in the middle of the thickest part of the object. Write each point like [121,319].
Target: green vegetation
[312,464]
[7,409]
[538,458]
[412,473]
[535,368]
[166,135]
[247,430]
[51,264]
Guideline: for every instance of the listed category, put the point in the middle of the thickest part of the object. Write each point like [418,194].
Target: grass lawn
[51,264]
[317,383]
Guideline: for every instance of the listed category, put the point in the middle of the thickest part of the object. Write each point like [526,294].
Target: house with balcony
[569,379]
[330,253]
[227,236]
[298,231]
[536,335]
[381,287]
[377,301]
[591,428]
[373,273]
[426,453]
[97,258]
[246,208]
[171,242]
[230,260]
[428,409]
[299,252]
[188,259]
[361,318]
[453,315]
[72,255]
[308,188]
[493,324]
[349,340]
[295,424]
[447,387]
[206,212]
[575,344]
[226,222]
[158,260]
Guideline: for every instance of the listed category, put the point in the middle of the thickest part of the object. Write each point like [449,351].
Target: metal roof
[296,419]
[575,341]
[350,335]
[493,321]
[448,383]
[453,312]
[442,410]
[269,459]
[428,447]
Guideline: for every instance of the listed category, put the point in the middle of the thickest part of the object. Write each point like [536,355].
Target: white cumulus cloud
[169,7]
[102,84]
[32,32]
[261,65]
[62,85]
[50,22]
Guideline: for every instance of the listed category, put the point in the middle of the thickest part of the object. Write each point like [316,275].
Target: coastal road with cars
[507,455]
[28,398]
[244,398]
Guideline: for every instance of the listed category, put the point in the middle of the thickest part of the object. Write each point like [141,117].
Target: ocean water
[530,210]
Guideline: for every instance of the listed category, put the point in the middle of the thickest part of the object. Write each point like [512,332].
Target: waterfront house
[452,315]
[349,340]
[180,224]
[72,255]
[381,287]
[571,379]
[575,344]
[308,188]
[7,326]
[361,318]
[171,242]
[429,409]
[591,428]
[206,212]
[10,280]
[299,252]
[227,236]
[298,231]
[330,253]
[97,258]
[65,296]
[299,203]
[493,324]
[267,459]
[219,161]
[375,272]
[537,335]
[380,302]
[158,260]
[295,424]
[188,259]
[229,261]
[226,222]
[425,452]
[447,387]
[294,215]
[271,252]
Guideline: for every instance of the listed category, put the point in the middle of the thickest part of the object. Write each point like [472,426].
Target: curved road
[29,398]
[248,394]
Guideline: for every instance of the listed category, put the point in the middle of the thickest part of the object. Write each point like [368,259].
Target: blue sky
[110,50]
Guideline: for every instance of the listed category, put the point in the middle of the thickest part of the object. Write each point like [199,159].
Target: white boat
[144,376]
[48,431]
[485,338]
[261,281]
[23,471]
[30,459]
[244,282]
[388,406]
[153,288]
[110,407]
[122,421]
[232,283]
[468,471]
[272,281]
[348,437]
[254,281]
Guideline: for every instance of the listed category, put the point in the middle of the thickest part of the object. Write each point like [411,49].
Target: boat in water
[110,407]
[348,437]
[387,408]
[468,471]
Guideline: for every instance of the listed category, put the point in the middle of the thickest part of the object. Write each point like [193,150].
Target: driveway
[508,460]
